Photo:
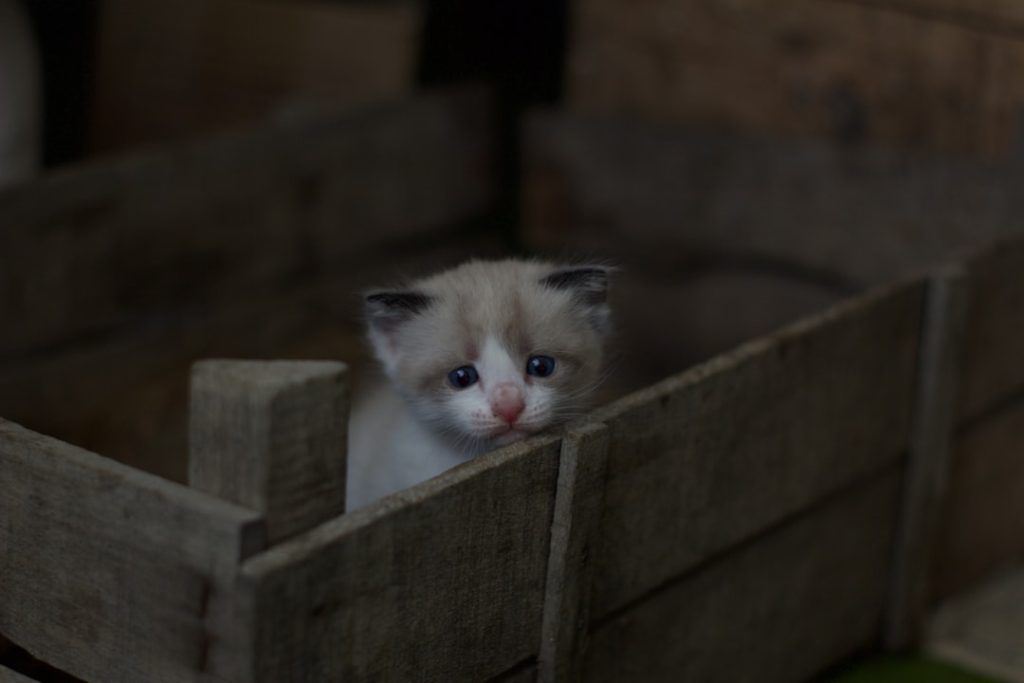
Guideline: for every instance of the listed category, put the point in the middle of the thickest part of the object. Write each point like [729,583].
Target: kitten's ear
[386,311]
[589,286]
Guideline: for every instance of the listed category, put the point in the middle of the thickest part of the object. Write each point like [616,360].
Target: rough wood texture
[8,676]
[928,460]
[983,630]
[126,396]
[442,582]
[993,363]
[114,575]
[271,436]
[779,609]
[811,214]
[141,240]
[578,503]
[983,521]
[167,71]
[703,460]
[845,71]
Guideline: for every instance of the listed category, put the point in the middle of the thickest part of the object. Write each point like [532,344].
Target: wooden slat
[167,71]
[8,676]
[797,211]
[781,609]
[239,216]
[126,396]
[846,71]
[578,503]
[983,520]
[271,436]
[928,460]
[710,457]
[442,582]
[993,367]
[110,574]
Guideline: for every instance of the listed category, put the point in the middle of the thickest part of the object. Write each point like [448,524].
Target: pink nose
[507,402]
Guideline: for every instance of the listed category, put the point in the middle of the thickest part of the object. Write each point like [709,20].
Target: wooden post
[270,435]
[578,503]
[928,460]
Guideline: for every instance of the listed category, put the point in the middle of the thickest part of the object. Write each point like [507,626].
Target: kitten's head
[492,351]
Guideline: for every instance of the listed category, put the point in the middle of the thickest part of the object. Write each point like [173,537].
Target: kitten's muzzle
[507,402]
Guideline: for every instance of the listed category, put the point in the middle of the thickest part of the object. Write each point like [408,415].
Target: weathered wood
[993,369]
[441,582]
[578,502]
[707,458]
[9,676]
[126,396]
[983,630]
[167,71]
[934,426]
[114,575]
[687,202]
[846,71]
[788,605]
[271,436]
[137,240]
[982,526]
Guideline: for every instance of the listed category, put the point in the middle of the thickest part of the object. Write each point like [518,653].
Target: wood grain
[927,473]
[441,582]
[271,436]
[982,527]
[993,369]
[703,460]
[578,504]
[114,575]
[136,241]
[844,71]
[697,203]
[782,608]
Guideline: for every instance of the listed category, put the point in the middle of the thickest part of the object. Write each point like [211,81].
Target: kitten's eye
[540,366]
[463,377]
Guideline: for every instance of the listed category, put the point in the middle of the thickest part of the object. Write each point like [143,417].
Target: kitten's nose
[507,402]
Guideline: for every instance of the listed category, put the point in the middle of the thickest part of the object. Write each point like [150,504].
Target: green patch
[907,670]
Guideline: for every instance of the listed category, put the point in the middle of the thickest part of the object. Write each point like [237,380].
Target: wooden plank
[982,527]
[141,239]
[166,72]
[993,368]
[710,457]
[114,575]
[126,396]
[443,581]
[983,630]
[928,461]
[781,608]
[578,502]
[844,71]
[9,676]
[681,201]
[990,16]
[271,436]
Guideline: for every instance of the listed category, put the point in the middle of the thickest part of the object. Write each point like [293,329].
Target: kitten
[476,357]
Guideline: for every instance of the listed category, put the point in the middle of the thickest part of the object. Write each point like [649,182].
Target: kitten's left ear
[589,286]
[386,311]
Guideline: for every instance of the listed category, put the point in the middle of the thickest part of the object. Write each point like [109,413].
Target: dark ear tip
[396,304]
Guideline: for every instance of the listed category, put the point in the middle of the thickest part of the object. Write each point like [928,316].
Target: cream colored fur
[493,317]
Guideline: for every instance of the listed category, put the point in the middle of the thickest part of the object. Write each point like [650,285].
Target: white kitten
[476,357]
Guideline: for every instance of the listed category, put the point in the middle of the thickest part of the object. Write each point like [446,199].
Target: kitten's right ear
[386,311]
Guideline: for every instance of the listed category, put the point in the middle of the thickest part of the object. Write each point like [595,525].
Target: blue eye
[463,377]
[540,366]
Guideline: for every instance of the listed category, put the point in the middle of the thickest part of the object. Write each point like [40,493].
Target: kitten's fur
[493,316]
